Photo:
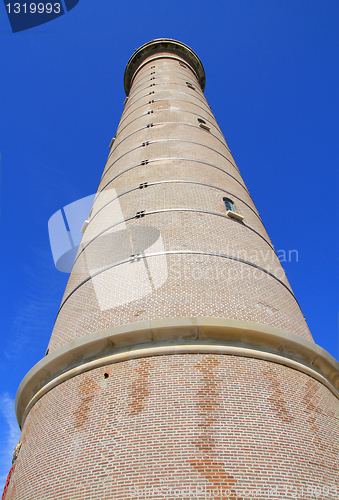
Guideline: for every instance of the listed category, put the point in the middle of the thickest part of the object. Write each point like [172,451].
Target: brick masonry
[199,421]
[189,426]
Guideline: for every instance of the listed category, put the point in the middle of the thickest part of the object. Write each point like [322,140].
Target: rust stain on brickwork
[311,401]
[140,386]
[209,401]
[215,473]
[86,390]
[279,403]
[318,417]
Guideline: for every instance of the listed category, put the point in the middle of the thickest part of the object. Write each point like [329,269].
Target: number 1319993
[32,8]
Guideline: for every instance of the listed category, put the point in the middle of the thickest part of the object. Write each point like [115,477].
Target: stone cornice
[175,336]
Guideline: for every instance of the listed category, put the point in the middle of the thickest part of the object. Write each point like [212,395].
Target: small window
[229,205]
[183,65]
[200,120]
[190,86]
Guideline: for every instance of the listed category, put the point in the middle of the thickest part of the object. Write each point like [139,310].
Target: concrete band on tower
[173,336]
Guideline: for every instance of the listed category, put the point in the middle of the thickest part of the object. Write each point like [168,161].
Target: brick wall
[199,421]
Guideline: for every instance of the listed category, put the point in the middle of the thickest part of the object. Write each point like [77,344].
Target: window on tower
[229,205]
[230,210]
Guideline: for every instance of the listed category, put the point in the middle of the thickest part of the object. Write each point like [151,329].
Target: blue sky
[272,83]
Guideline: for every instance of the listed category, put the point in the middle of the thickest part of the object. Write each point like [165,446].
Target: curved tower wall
[180,359]
[188,170]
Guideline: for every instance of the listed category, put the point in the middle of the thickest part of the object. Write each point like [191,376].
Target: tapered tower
[180,364]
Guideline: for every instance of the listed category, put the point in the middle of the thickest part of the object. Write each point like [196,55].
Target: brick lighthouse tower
[180,364]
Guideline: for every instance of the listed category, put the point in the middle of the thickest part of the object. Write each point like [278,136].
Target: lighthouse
[180,364]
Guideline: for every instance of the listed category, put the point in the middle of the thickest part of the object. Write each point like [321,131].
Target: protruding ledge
[163,45]
[175,336]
